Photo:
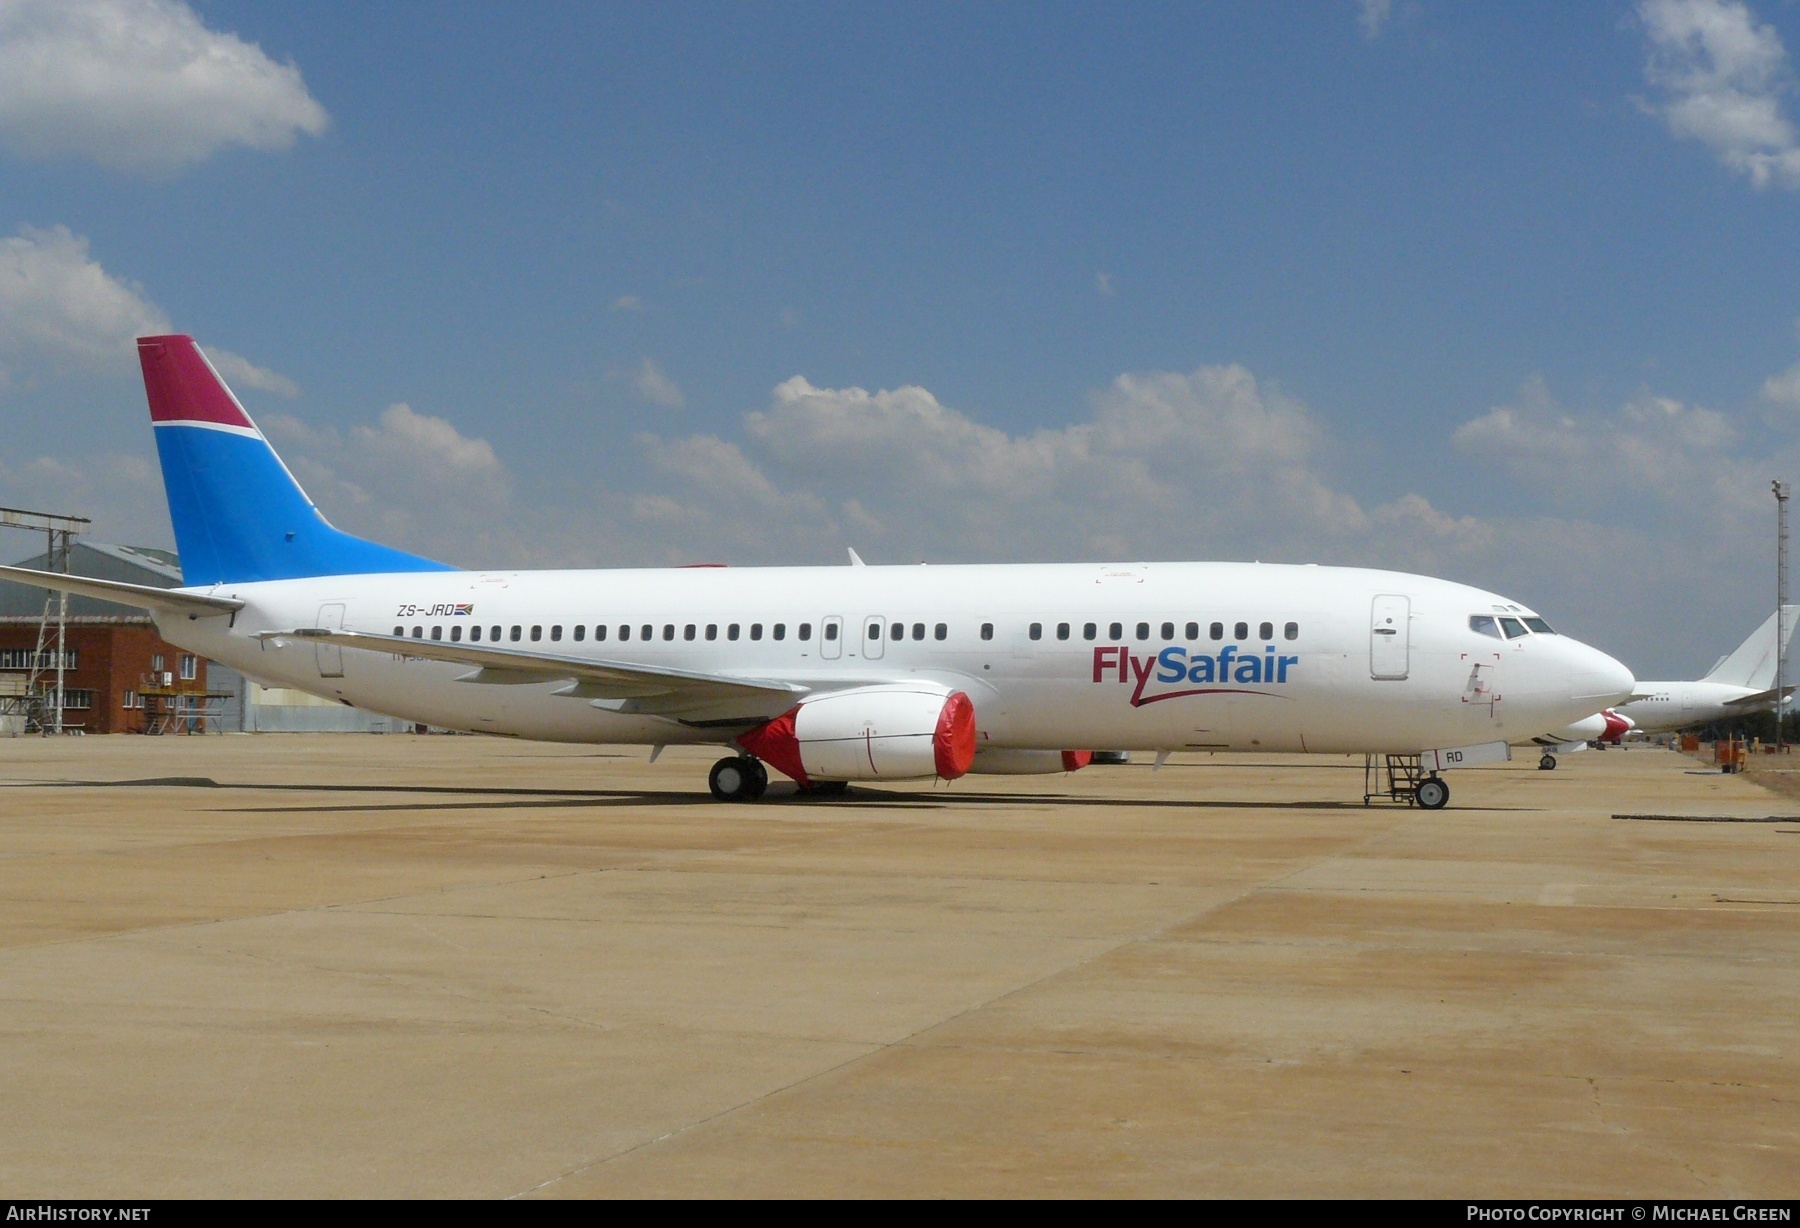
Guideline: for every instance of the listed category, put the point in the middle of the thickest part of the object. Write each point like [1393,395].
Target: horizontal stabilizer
[654,690]
[143,596]
[1760,698]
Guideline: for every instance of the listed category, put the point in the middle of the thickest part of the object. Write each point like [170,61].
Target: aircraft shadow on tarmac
[550,799]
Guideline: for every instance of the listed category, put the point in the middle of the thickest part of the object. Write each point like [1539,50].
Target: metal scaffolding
[39,701]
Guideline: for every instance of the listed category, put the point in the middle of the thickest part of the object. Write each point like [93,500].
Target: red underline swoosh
[1138,702]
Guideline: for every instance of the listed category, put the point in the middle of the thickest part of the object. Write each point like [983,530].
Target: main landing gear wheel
[738,778]
[1547,763]
[1432,793]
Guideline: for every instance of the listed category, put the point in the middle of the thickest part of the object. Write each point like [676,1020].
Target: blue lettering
[1172,663]
[1200,669]
[1285,662]
[1248,670]
[1225,655]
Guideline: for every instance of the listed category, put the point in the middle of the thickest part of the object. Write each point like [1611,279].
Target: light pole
[1782,493]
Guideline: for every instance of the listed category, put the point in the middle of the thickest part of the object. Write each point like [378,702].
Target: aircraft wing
[647,689]
[143,596]
[1759,698]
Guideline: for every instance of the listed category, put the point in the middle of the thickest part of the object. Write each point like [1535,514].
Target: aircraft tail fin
[238,513]
[1752,663]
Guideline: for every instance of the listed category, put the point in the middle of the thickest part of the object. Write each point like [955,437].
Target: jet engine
[894,732]
[1607,726]
[1000,761]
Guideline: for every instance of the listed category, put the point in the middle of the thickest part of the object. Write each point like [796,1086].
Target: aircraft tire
[734,779]
[1547,763]
[759,777]
[1433,793]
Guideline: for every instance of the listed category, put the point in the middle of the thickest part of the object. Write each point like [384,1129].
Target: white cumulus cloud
[1372,15]
[60,310]
[140,85]
[1722,77]
[240,373]
[657,388]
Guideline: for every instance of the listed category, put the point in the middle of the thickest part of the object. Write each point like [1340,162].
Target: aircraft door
[330,657]
[831,637]
[1390,636]
[873,643]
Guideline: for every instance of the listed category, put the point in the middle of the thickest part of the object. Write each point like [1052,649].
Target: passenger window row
[897,631]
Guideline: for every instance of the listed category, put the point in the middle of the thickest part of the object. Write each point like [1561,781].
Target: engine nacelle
[895,732]
[1000,761]
[1607,726]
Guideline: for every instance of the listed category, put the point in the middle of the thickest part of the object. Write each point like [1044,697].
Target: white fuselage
[1139,688]
[1668,706]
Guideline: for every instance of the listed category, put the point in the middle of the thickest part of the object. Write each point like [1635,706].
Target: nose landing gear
[1432,793]
[738,778]
[1547,763]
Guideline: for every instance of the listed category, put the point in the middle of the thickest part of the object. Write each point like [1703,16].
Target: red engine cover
[953,749]
[776,745]
[1616,726]
[1075,760]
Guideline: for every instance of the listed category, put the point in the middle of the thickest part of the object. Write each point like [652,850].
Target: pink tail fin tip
[183,387]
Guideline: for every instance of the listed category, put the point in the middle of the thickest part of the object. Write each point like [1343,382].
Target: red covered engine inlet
[1616,726]
[894,732]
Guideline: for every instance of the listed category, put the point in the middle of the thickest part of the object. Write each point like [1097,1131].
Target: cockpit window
[1540,626]
[1514,628]
[1484,624]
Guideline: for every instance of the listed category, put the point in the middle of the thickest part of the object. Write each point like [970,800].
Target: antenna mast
[1783,491]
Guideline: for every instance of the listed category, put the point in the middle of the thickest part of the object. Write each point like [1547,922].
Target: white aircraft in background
[1738,684]
[835,674]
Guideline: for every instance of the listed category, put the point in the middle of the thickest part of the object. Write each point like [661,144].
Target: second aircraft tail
[1752,663]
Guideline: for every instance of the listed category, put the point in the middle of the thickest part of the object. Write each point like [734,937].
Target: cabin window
[475,634]
[1514,628]
[437,633]
[687,632]
[399,630]
[668,631]
[1266,631]
[874,631]
[1193,631]
[1116,631]
[537,633]
[756,631]
[580,632]
[1291,631]
[1168,631]
[516,632]
[1539,625]
[804,631]
[1062,631]
[1242,631]
[1036,631]
[156,662]
[1143,630]
[918,631]
[1216,631]
[556,633]
[1089,631]
[646,632]
[494,634]
[987,631]
[780,630]
[599,631]
[941,631]
[897,632]
[712,631]
[455,632]
[625,631]
[731,632]
[831,631]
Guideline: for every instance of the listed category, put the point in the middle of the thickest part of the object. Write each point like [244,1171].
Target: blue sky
[1504,293]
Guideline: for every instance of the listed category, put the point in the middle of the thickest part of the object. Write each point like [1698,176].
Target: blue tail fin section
[239,515]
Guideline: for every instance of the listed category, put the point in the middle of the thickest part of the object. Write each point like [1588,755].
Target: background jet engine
[897,732]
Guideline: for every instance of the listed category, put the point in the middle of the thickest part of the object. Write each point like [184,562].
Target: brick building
[119,675]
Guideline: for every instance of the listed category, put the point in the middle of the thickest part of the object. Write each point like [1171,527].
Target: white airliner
[1741,683]
[843,673]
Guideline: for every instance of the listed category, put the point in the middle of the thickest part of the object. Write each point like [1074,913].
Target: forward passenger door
[1390,634]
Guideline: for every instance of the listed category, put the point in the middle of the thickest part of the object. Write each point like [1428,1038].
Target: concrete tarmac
[415,966]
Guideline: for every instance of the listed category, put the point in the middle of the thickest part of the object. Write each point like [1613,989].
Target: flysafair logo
[1175,667]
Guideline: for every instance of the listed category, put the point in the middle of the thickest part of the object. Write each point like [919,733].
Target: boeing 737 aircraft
[844,673]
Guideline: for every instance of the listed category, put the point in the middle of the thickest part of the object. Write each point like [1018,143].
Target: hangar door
[1390,634]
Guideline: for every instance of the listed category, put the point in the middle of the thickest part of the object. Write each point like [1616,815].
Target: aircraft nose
[1599,677]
